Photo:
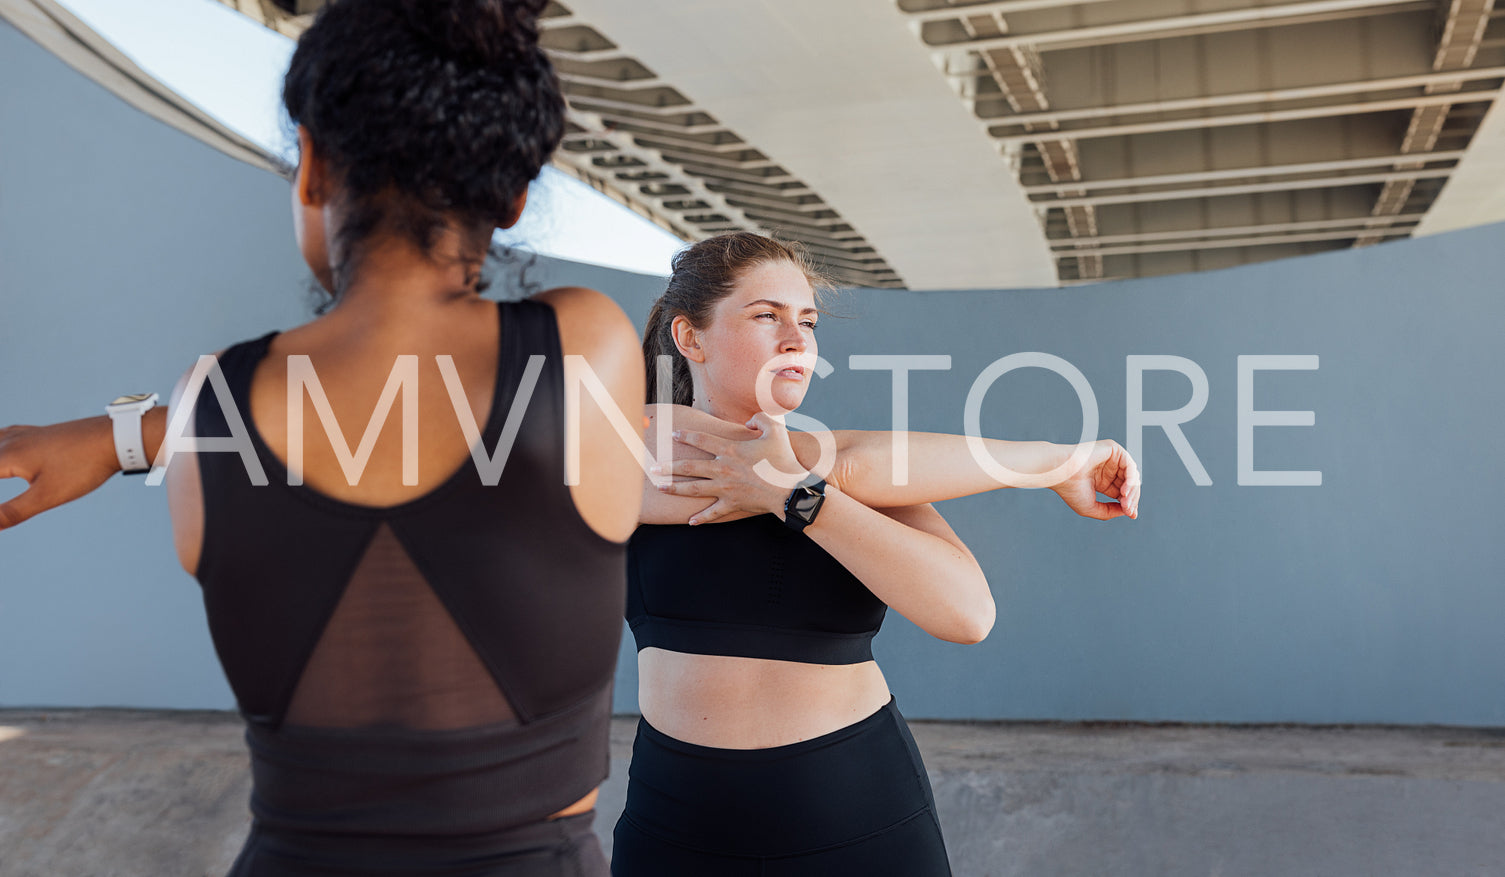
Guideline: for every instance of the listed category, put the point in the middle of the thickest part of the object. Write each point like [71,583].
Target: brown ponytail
[704,274]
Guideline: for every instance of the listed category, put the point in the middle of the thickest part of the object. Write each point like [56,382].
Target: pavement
[122,793]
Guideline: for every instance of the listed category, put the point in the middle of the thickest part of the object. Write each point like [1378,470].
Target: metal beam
[1229,244]
[1066,246]
[1055,117]
[1149,28]
[1002,7]
[626,97]
[664,139]
[627,106]
[653,162]
[769,203]
[760,209]
[1350,109]
[678,152]
[1243,172]
[711,172]
[660,129]
[1219,191]
[619,112]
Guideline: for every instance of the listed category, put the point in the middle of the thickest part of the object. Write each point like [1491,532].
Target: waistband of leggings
[887,712]
[854,782]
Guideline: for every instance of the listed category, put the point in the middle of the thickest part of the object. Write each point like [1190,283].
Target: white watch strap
[125,419]
[130,447]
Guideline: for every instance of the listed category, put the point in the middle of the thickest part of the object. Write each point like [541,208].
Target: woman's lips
[793,373]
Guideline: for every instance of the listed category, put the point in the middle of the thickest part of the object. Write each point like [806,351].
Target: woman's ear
[687,339]
[517,211]
[313,172]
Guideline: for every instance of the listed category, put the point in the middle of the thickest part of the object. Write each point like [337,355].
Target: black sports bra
[750,588]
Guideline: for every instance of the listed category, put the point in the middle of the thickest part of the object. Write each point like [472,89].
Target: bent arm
[907,556]
[911,559]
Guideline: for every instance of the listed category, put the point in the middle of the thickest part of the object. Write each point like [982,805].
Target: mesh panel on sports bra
[392,655]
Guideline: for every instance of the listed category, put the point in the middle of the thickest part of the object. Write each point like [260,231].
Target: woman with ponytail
[422,648]
[769,743]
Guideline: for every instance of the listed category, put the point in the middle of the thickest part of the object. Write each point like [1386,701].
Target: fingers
[710,514]
[711,444]
[25,506]
[764,423]
[688,468]
[7,468]
[1127,481]
[684,488]
[1131,486]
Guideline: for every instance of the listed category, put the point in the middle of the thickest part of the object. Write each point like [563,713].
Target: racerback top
[439,667]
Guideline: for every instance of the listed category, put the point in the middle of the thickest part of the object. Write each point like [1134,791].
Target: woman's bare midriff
[581,805]
[753,703]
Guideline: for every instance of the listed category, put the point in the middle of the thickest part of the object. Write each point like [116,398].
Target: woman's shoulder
[581,304]
[591,323]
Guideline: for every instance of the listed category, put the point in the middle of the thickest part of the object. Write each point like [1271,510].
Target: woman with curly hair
[421,639]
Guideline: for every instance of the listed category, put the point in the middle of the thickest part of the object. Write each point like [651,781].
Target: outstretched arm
[64,461]
[931,467]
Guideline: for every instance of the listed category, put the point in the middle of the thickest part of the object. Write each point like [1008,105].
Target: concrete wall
[126,249]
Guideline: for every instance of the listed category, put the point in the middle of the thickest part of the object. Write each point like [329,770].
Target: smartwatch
[804,503]
[125,413]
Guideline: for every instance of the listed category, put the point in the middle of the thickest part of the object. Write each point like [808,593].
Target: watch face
[136,397]
[806,504]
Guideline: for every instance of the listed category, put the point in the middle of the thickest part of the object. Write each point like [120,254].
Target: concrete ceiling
[944,144]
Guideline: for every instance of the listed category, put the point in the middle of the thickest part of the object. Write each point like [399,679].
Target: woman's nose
[793,340]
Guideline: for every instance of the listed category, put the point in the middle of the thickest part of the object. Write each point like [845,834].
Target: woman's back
[416,660]
[418,616]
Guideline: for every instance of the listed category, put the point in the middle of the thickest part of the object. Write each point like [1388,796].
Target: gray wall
[126,249]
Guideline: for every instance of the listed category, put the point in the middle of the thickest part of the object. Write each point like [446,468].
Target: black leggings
[855,801]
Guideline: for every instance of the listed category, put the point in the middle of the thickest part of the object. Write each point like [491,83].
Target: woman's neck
[392,277]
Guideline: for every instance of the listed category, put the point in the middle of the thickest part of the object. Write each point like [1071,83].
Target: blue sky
[232,67]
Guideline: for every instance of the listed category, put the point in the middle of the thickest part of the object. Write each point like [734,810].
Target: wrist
[776,498]
[154,431]
[804,503]
[101,430]
[1057,458]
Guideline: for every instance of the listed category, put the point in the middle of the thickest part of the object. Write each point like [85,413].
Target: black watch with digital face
[804,503]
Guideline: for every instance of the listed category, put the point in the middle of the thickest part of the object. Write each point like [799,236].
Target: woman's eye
[770,316]
[809,325]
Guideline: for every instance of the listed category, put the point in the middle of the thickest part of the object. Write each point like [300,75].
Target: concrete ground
[121,793]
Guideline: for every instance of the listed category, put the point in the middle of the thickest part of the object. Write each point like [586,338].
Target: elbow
[974,622]
[976,628]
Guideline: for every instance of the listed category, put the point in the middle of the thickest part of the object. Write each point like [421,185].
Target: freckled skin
[767,322]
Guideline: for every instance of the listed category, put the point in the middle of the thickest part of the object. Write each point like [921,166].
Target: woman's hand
[61,462]
[735,477]
[1109,470]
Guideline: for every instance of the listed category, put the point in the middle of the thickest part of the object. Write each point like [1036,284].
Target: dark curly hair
[428,112]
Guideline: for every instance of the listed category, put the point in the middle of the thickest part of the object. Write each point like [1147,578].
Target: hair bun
[478,33]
